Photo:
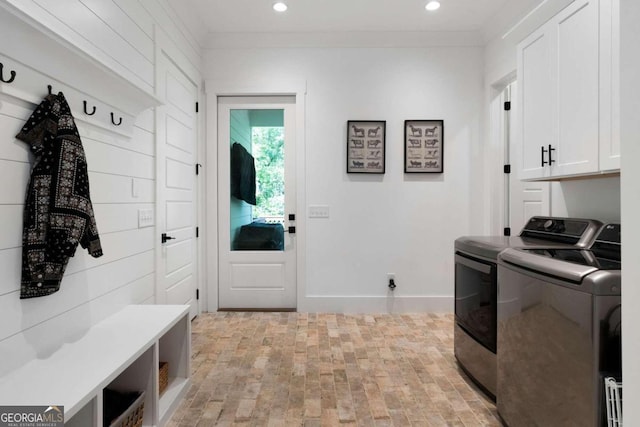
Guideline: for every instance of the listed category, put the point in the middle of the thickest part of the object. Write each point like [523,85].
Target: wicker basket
[164,376]
[133,416]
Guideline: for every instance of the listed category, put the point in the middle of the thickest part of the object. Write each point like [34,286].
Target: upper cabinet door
[568,95]
[536,101]
[609,85]
[577,56]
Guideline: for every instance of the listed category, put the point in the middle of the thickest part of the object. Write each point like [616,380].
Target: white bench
[121,352]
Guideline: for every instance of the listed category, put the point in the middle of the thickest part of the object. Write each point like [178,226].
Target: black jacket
[58,213]
[243,174]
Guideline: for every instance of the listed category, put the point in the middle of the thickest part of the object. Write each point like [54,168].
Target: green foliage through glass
[268,151]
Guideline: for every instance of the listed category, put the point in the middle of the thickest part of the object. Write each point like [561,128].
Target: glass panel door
[256,198]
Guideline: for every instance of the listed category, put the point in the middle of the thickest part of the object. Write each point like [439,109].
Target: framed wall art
[366,146]
[423,146]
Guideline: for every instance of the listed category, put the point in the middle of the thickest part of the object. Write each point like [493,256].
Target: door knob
[164,237]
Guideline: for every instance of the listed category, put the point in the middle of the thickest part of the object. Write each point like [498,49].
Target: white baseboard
[376,304]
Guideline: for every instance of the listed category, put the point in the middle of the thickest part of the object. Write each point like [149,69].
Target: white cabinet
[609,85]
[566,100]
[575,31]
[535,98]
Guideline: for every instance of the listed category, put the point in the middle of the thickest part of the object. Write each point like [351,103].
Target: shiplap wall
[120,34]
[241,212]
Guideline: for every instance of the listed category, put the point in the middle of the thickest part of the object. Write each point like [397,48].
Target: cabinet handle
[551,161]
[542,151]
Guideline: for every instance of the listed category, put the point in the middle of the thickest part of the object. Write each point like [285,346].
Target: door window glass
[257,179]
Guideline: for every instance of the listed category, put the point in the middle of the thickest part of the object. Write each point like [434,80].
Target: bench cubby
[121,352]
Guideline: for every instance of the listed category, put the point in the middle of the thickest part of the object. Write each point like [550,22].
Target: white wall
[72,53]
[392,223]
[597,198]
[630,132]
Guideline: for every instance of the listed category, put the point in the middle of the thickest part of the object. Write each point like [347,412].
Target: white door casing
[176,133]
[252,279]
[266,85]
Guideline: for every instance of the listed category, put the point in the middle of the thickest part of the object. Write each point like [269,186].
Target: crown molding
[360,39]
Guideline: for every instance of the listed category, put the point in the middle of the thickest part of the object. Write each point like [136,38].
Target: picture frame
[366,146]
[423,146]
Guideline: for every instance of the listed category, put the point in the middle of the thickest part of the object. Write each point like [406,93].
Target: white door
[256,203]
[176,125]
[526,199]
[511,201]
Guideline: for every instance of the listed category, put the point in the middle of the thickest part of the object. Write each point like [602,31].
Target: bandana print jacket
[58,213]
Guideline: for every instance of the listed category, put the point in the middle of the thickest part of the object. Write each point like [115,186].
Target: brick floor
[307,369]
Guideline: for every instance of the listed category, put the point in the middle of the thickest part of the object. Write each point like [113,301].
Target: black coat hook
[92,112]
[13,74]
[50,89]
[114,121]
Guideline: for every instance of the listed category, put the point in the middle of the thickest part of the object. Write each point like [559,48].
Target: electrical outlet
[319,211]
[392,281]
[145,218]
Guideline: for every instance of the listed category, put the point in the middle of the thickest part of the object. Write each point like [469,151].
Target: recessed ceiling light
[432,5]
[279,7]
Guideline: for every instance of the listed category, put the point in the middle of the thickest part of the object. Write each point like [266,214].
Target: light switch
[145,218]
[134,188]
[318,211]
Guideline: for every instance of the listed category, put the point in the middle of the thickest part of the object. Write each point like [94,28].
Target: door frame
[281,293]
[266,87]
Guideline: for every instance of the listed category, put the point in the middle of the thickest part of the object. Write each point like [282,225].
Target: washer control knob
[548,224]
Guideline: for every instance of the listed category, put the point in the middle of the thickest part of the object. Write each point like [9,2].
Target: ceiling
[330,16]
